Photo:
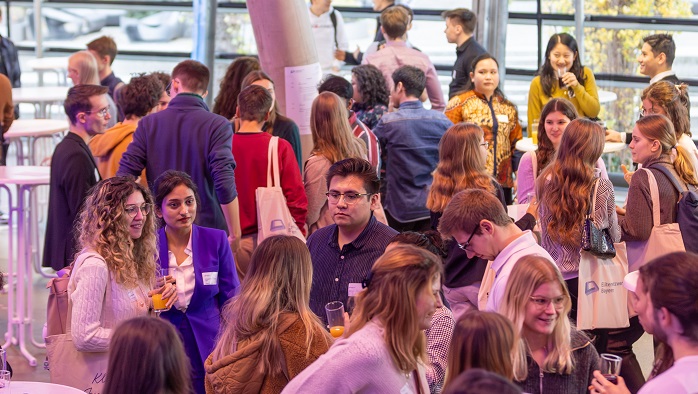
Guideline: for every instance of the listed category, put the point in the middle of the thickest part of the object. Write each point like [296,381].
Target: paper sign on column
[301,90]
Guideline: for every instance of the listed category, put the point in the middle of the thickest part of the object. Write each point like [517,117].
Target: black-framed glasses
[132,209]
[486,144]
[349,198]
[168,87]
[543,302]
[465,245]
[100,112]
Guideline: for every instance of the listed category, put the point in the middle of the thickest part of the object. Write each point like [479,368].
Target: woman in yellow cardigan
[563,76]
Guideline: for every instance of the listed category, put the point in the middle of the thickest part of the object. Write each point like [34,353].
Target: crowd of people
[401,214]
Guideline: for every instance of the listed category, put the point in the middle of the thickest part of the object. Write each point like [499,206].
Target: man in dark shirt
[460,26]
[73,171]
[343,253]
[104,50]
[9,60]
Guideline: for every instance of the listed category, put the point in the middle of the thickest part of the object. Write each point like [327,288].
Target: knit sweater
[586,361]
[567,256]
[360,363]
[586,97]
[108,148]
[87,291]
[239,372]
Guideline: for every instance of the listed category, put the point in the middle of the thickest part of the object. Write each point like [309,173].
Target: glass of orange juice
[335,318]
[534,132]
[159,304]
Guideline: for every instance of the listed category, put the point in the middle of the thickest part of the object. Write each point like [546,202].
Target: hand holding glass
[335,318]
[159,304]
[610,367]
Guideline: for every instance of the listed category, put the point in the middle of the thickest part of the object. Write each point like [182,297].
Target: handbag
[595,241]
[273,215]
[85,371]
[57,305]
[664,238]
[602,301]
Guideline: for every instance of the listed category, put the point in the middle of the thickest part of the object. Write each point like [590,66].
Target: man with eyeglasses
[478,221]
[343,253]
[73,171]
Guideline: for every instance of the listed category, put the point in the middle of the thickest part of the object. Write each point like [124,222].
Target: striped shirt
[334,268]
[362,132]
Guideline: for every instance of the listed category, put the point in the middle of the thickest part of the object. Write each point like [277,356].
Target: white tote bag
[602,301]
[273,216]
[664,238]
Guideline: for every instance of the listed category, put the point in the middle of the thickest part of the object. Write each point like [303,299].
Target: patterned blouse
[499,119]
[370,115]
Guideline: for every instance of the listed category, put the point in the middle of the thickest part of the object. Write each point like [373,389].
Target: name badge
[502,118]
[132,296]
[406,389]
[354,289]
[210,278]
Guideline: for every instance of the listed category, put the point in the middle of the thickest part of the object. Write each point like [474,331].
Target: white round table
[40,96]
[59,65]
[41,388]
[33,129]
[606,96]
[526,145]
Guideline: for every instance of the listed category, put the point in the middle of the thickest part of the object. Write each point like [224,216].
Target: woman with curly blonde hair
[116,263]
[384,349]
[549,356]
[333,141]
[463,152]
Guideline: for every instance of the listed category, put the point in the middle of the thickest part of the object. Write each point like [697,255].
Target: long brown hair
[259,75]
[102,227]
[528,274]
[660,128]
[674,100]
[231,85]
[397,277]
[546,149]
[278,282]
[481,340]
[565,185]
[332,135]
[460,165]
[147,356]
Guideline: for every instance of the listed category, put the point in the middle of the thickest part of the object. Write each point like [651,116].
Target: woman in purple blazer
[199,261]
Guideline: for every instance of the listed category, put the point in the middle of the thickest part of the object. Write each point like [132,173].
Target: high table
[17,387]
[59,65]
[19,310]
[40,96]
[33,129]
[526,145]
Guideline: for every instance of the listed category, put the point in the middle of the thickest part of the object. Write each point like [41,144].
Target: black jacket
[10,62]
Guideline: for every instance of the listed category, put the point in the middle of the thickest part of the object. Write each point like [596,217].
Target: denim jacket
[410,139]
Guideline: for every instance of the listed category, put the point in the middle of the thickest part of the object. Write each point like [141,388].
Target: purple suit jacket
[211,253]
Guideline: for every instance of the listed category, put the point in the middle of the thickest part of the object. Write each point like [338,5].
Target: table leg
[32,259]
[24,279]
[9,335]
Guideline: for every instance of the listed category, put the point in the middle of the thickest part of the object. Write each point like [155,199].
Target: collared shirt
[111,82]
[661,76]
[465,54]
[183,275]
[410,141]
[334,268]
[439,336]
[503,264]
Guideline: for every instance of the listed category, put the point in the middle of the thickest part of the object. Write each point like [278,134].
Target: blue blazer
[211,253]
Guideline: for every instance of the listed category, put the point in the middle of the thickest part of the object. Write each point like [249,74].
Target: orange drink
[534,133]
[337,331]
[159,304]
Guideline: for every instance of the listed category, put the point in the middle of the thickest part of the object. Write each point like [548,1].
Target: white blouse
[183,275]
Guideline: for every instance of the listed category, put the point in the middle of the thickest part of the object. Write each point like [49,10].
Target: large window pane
[521,47]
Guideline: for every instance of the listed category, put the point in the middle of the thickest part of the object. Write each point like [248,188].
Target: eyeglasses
[651,111]
[132,210]
[101,113]
[167,89]
[543,302]
[467,243]
[349,198]
[486,144]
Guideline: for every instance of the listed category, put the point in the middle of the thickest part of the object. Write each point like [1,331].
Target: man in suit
[73,171]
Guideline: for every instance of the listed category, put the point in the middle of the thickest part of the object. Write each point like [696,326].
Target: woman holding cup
[199,261]
[563,76]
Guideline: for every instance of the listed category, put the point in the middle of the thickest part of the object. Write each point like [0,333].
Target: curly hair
[460,166]
[230,87]
[141,95]
[547,73]
[546,150]
[565,185]
[673,99]
[371,85]
[102,227]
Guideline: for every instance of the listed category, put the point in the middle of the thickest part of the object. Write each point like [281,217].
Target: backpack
[686,211]
[333,18]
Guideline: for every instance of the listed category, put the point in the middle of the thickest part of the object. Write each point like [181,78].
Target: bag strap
[109,309]
[534,164]
[672,178]
[654,193]
[592,203]
[333,18]
[273,162]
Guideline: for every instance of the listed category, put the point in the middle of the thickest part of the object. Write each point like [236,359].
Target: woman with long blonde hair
[550,356]
[384,349]
[565,189]
[268,332]
[82,70]
[333,141]
[118,250]
[481,340]
[463,152]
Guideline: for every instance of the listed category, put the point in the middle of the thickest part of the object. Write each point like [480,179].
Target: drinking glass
[4,381]
[534,132]
[335,318]
[159,304]
[610,367]
[560,73]
[3,360]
